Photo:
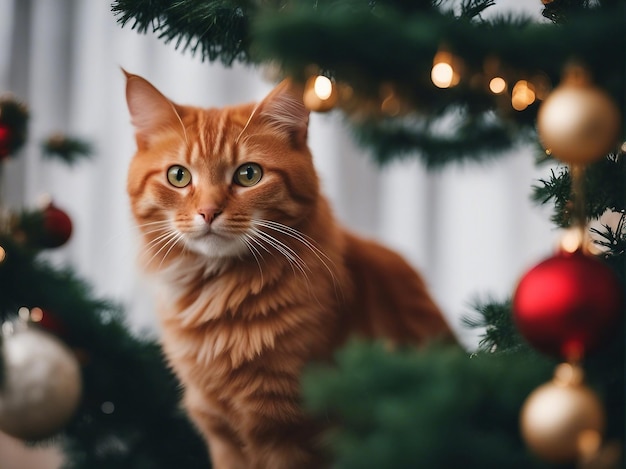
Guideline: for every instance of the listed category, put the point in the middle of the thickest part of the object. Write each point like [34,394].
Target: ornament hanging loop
[579,212]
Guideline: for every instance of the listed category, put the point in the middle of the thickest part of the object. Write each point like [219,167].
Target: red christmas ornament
[49,321]
[5,139]
[568,304]
[57,227]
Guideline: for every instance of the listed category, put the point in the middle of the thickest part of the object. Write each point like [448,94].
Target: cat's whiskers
[122,233]
[307,241]
[295,261]
[248,240]
[171,237]
[176,239]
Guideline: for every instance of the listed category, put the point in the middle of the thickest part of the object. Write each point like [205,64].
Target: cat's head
[207,181]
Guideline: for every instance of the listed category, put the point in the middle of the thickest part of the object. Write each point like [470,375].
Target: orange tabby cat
[256,276]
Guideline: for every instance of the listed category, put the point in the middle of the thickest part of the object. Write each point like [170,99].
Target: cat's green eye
[248,174]
[178,176]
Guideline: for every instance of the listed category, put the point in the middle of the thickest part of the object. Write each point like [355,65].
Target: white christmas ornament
[42,384]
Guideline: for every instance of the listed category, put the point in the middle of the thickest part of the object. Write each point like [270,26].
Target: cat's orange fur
[256,281]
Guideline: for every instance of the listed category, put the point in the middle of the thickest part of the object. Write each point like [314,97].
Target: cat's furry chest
[216,324]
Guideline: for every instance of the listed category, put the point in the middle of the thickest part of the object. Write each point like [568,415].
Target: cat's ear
[284,110]
[150,111]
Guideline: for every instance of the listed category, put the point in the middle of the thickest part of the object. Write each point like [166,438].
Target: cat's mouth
[205,232]
[213,243]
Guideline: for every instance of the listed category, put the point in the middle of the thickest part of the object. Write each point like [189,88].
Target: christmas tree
[61,348]
[396,69]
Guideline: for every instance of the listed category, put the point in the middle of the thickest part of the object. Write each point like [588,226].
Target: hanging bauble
[320,94]
[13,125]
[48,321]
[563,420]
[57,227]
[42,385]
[568,304]
[578,123]
[5,139]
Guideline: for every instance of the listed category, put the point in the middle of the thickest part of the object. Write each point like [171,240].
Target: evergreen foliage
[433,408]
[382,47]
[147,428]
[604,186]
[68,149]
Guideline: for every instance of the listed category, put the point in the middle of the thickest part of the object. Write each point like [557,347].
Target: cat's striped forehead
[211,140]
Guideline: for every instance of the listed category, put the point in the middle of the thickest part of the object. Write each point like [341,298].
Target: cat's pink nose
[209,213]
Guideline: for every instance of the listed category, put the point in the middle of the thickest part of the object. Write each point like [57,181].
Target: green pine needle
[67,149]
[212,29]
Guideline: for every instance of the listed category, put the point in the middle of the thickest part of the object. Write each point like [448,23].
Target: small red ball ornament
[50,322]
[5,140]
[57,227]
[568,304]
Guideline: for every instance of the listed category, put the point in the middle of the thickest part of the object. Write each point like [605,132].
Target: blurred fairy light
[3,254]
[36,314]
[443,73]
[523,95]
[107,407]
[497,85]
[23,313]
[320,93]
[572,240]
[323,87]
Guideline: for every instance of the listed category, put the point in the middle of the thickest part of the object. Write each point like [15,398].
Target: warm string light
[445,71]
[497,85]
[3,254]
[23,313]
[523,95]
[35,314]
[320,93]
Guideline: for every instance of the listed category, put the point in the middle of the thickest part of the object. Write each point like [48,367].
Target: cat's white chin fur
[215,246]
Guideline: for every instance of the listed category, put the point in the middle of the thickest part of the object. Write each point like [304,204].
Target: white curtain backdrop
[470,229]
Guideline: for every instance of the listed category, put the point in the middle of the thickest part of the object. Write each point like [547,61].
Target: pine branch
[213,29]
[146,428]
[471,139]
[604,190]
[68,149]
[336,36]
[612,239]
[433,408]
[500,334]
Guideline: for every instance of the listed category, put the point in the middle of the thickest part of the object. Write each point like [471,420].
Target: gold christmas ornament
[563,420]
[578,122]
[320,94]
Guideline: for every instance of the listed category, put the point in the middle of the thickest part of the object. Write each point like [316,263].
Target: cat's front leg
[272,442]
[225,447]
